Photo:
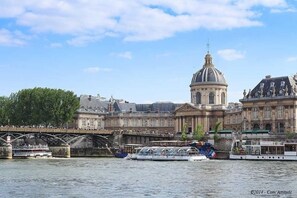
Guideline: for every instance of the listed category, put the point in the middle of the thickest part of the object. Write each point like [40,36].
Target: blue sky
[144,51]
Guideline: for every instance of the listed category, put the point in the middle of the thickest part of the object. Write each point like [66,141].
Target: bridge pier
[60,151]
[6,151]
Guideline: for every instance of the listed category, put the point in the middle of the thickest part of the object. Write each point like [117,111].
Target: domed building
[208,100]
[208,86]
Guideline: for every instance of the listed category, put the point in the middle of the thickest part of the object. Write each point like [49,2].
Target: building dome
[208,74]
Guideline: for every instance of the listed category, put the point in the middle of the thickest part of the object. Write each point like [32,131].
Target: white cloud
[292,59]
[231,54]
[8,38]
[96,70]
[125,55]
[133,20]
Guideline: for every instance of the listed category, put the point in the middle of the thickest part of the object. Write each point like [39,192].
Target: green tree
[4,119]
[42,106]
[216,129]
[184,136]
[198,133]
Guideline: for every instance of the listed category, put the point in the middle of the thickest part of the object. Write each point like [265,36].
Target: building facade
[208,100]
[271,105]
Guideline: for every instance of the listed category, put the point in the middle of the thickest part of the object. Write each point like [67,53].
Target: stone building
[117,114]
[271,105]
[91,113]
[155,118]
[208,100]
[233,117]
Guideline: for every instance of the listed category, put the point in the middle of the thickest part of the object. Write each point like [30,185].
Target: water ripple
[108,177]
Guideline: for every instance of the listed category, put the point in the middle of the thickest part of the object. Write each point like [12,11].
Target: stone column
[6,151]
[179,124]
[193,124]
[62,151]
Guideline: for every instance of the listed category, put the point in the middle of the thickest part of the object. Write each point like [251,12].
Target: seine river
[109,177]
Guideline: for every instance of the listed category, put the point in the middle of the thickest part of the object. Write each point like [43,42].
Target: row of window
[280,127]
[141,123]
[211,98]
[268,111]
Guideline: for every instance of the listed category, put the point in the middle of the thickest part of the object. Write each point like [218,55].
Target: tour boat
[31,151]
[258,149]
[170,154]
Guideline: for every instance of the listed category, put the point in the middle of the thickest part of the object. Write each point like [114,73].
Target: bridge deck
[54,130]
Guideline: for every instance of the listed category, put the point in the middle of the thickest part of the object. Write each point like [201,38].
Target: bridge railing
[53,130]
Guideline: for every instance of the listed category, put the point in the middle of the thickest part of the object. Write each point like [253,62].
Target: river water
[111,177]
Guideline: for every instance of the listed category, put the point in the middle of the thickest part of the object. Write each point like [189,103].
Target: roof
[273,87]
[90,103]
[208,74]
[157,107]
[124,107]
[255,131]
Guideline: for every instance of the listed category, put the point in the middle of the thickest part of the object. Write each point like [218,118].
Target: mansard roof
[157,107]
[124,107]
[90,103]
[273,87]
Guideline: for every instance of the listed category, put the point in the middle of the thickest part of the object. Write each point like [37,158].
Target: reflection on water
[104,177]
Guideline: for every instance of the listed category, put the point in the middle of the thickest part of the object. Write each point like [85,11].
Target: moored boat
[120,153]
[127,151]
[31,151]
[258,149]
[170,154]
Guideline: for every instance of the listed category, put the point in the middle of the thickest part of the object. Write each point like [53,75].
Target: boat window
[264,150]
[290,147]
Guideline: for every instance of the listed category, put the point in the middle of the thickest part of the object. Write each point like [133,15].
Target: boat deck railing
[32,147]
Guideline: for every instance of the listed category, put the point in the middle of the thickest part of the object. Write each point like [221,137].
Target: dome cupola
[208,74]
[208,85]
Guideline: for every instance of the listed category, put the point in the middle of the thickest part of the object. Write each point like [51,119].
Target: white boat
[258,149]
[133,155]
[31,151]
[170,154]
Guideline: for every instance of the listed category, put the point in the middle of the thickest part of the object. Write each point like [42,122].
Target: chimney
[268,76]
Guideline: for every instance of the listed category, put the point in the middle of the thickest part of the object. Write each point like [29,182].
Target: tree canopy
[198,133]
[38,106]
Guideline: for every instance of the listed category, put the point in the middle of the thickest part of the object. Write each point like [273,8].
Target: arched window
[198,98]
[223,98]
[268,127]
[256,127]
[211,98]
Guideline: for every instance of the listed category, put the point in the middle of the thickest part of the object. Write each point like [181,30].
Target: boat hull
[170,154]
[32,151]
[263,157]
[172,158]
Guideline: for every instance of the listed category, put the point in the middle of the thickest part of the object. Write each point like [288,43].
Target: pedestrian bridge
[9,129]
